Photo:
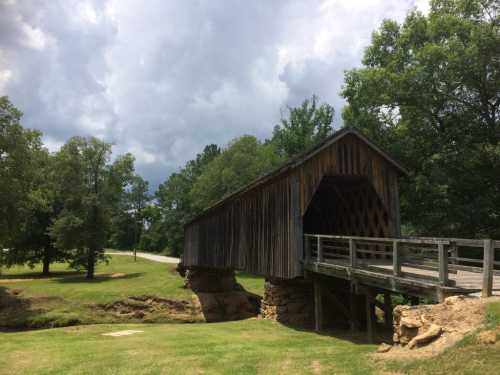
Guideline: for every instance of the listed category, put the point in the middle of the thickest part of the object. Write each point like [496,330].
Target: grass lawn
[66,297]
[243,347]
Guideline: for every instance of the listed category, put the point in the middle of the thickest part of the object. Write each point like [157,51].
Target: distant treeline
[428,92]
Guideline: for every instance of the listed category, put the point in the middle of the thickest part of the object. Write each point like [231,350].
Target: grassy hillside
[67,298]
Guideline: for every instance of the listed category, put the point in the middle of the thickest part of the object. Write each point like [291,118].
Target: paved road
[153,257]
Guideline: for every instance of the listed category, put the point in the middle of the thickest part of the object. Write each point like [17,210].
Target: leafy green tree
[91,188]
[154,236]
[429,92]
[19,150]
[32,243]
[127,223]
[303,127]
[242,161]
[176,203]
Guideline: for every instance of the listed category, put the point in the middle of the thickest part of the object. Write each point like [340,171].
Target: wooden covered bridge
[331,216]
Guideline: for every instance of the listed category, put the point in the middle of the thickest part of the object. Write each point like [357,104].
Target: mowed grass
[243,347]
[67,298]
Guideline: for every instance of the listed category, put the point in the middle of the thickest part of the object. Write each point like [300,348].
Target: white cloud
[161,79]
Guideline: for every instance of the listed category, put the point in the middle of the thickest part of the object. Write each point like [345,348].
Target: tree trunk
[90,264]
[46,263]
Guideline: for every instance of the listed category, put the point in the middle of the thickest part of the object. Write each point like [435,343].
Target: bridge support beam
[318,305]
[370,316]
[388,310]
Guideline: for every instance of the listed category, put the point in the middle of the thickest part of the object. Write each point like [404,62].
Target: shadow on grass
[38,275]
[359,337]
[81,278]
[17,313]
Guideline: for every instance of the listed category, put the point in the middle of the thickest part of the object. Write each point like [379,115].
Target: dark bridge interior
[346,205]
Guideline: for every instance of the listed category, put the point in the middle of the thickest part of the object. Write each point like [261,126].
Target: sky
[161,79]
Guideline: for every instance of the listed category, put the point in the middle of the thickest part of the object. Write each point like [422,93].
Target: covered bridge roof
[298,160]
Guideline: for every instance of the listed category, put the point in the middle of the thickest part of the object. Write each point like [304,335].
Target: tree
[138,197]
[175,201]
[19,148]
[429,92]
[32,243]
[304,127]
[91,188]
[127,223]
[20,155]
[242,161]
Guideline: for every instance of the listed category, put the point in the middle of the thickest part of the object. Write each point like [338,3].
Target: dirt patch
[427,330]
[117,275]
[151,308]
[209,307]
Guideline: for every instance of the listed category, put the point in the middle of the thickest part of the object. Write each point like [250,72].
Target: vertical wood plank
[488,258]
[370,318]
[320,250]
[352,252]
[443,264]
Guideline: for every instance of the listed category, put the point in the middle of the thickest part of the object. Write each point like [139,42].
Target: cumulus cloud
[161,79]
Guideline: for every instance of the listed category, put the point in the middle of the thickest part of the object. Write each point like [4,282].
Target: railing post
[443,264]
[352,252]
[396,259]
[454,252]
[320,251]
[488,258]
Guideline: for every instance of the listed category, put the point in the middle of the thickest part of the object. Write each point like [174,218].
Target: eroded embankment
[203,307]
[427,330]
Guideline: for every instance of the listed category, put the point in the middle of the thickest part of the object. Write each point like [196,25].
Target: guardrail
[432,259]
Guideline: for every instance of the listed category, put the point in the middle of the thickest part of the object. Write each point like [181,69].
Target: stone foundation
[218,297]
[288,302]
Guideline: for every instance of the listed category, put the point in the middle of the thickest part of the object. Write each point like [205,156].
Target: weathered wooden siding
[259,230]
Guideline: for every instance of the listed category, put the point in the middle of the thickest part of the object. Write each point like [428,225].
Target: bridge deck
[423,267]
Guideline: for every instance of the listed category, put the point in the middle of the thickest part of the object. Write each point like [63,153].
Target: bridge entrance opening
[347,205]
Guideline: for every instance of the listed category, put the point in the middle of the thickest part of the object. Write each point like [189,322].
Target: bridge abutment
[288,301]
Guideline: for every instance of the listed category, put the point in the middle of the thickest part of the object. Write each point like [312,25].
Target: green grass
[66,297]
[243,347]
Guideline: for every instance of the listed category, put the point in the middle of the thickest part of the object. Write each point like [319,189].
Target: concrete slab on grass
[122,333]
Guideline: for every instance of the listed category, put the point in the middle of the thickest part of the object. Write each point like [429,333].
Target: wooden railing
[432,259]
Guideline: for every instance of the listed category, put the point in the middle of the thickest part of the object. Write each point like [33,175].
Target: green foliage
[91,188]
[303,127]
[20,151]
[242,161]
[33,243]
[175,204]
[429,92]
[127,223]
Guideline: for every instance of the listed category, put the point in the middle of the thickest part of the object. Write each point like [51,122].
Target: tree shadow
[359,337]
[16,313]
[38,275]
[81,278]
